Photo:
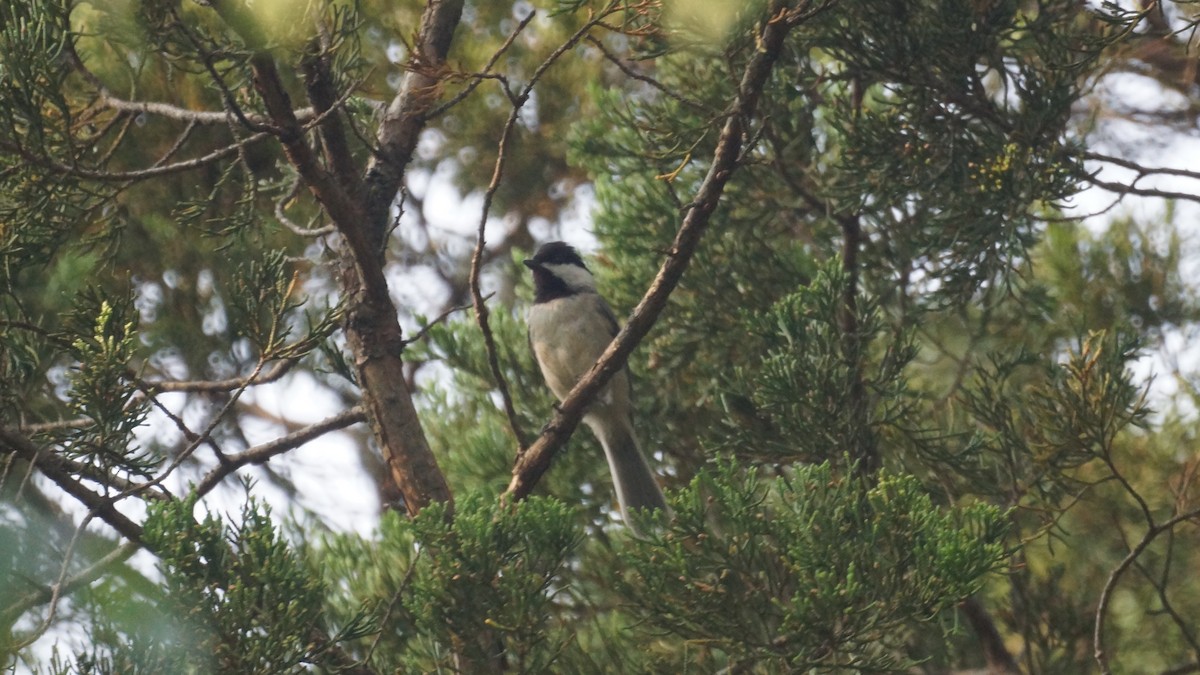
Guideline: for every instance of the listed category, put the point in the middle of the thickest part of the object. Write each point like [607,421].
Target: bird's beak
[531,264]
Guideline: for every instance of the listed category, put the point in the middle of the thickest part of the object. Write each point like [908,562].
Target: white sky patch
[327,471]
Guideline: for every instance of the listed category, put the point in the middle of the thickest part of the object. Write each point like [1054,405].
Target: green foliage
[959,131]
[1130,272]
[1057,417]
[882,272]
[489,571]
[791,405]
[809,570]
[239,599]
[463,588]
[99,386]
[261,300]
[32,37]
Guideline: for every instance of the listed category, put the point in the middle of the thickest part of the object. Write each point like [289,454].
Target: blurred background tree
[919,406]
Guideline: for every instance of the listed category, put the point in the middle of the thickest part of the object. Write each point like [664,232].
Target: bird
[570,326]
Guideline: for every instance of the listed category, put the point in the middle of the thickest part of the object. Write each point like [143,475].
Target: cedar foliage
[893,400]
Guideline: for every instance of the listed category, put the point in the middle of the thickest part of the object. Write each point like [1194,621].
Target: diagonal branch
[532,464]
[135,174]
[1115,576]
[1122,189]
[646,79]
[405,117]
[54,468]
[485,73]
[277,371]
[342,208]
[261,453]
[321,88]
[995,653]
[44,595]
[175,112]
[1141,170]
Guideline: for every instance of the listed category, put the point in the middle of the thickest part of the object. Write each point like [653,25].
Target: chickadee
[570,326]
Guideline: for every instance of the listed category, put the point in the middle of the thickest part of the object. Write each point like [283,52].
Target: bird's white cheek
[576,278]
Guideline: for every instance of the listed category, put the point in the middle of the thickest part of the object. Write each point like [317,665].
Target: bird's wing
[608,315]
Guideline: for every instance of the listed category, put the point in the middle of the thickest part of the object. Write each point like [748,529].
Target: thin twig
[175,112]
[1115,576]
[56,589]
[83,578]
[287,222]
[261,453]
[167,110]
[630,72]
[136,174]
[152,387]
[193,444]
[1132,189]
[391,606]
[277,371]
[485,74]
[1141,170]
[60,425]
[1160,585]
[424,330]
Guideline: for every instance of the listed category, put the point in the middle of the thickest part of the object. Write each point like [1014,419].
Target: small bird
[570,326]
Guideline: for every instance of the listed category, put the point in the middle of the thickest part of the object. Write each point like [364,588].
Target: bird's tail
[634,483]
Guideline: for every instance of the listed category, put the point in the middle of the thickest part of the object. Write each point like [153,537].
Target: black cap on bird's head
[555,253]
[559,272]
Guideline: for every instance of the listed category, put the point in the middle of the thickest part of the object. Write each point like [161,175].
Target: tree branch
[485,73]
[1141,170]
[1132,189]
[277,371]
[1115,576]
[261,453]
[175,112]
[646,79]
[43,595]
[341,206]
[995,653]
[54,468]
[321,89]
[372,330]
[405,117]
[532,464]
[281,216]
[137,174]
